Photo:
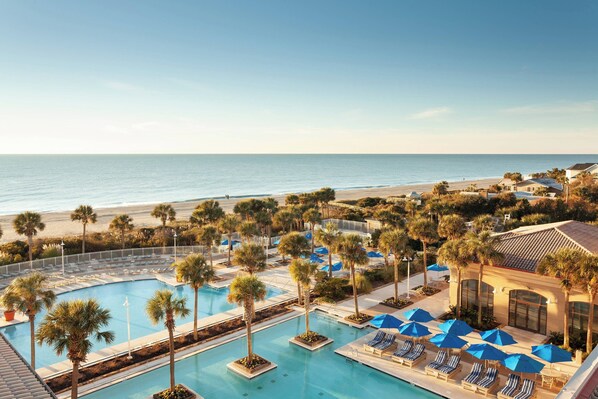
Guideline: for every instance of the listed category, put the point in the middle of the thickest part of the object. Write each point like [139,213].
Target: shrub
[364,286]
[332,289]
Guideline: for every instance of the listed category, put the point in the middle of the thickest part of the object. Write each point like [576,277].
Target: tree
[455,253]
[247,230]
[28,224]
[251,257]
[452,227]
[244,291]
[29,295]
[564,180]
[389,218]
[329,237]
[483,223]
[166,213]
[85,215]
[207,236]
[312,216]
[68,328]
[352,253]
[440,188]
[541,192]
[301,272]
[285,218]
[294,245]
[165,306]
[207,212]
[228,225]
[587,278]
[516,177]
[122,224]
[425,231]
[195,272]
[395,241]
[563,264]
[483,250]
[326,195]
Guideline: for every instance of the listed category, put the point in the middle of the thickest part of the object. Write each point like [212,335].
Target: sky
[273,76]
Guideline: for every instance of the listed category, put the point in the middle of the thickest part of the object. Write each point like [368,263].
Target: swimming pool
[112,296]
[300,373]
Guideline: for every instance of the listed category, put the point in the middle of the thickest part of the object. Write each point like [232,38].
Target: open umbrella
[522,363]
[234,242]
[335,267]
[551,353]
[437,268]
[454,326]
[308,235]
[276,242]
[374,254]
[314,259]
[497,337]
[485,352]
[321,251]
[414,329]
[418,314]
[386,321]
[448,341]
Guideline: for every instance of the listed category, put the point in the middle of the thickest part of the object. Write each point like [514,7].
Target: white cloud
[431,113]
[561,108]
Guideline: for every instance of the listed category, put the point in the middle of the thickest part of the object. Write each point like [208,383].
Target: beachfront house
[572,171]
[549,185]
[515,295]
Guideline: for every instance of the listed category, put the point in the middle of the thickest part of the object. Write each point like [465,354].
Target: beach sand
[60,224]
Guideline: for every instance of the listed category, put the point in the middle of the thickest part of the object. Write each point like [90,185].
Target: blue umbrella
[386,321]
[551,353]
[418,314]
[335,267]
[522,363]
[457,327]
[448,341]
[437,268]
[276,242]
[308,235]
[414,329]
[314,259]
[497,337]
[374,254]
[321,251]
[234,242]
[486,352]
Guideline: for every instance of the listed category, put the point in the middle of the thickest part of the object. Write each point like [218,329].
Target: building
[515,295]
[531,185]
[576,169]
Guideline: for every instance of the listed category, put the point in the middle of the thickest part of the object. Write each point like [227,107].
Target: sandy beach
[60,224]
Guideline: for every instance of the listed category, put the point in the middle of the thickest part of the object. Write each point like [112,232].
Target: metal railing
[348,225]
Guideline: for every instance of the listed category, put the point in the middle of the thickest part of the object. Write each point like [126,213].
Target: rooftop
[581,166]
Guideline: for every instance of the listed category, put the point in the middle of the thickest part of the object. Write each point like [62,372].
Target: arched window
[578,319]
[527,310]
[469,296]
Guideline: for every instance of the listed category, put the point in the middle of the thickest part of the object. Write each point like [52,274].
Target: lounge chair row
[438,368]
[486,384]
[381,343]
[526,391]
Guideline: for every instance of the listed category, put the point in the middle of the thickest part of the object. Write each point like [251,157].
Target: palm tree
[301,272]
[395,241]
[285,218]
[28,224]
[588,279]
[251,257]
[312,216]
[208,235]
[352,253]
[563,264]
[86,215]
[483,223]
[228,225]
[68,328]
[164,306]
[325,195]
[452,227]
[247,230]
[455,253]
[294,245]
[207,212]
[29,295]
[425,231]
[329,237]
[194,271]
[166,213]
[440,188]
[244,291]
[483,249]
[122,224]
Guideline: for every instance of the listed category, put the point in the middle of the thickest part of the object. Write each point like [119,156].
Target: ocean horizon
[46,183]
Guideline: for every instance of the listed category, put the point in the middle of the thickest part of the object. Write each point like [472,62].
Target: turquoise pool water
[300,373]
[112,296]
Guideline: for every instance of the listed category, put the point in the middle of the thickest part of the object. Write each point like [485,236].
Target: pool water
[300,373]
[112,296]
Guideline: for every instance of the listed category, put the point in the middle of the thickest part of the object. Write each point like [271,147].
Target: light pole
[126,305]
[175,236]
[62,255]
[408,259]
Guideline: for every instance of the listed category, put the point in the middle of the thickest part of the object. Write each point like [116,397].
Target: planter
[402,303]
[9,315]
[316,342]
[364,318]
[180,392]
[260,368]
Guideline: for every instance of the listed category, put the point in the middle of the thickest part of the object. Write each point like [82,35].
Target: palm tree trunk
[352,268]
[210,251]
[306,290]
[248,313]
[163,235]
[330,263]
[32,337]
[195,313]
[75,381]
[171,349]
[299,294]
[566,321]
[30,244]
[425,265]
[396,269]
[230,245]
[479,294]
[589,340]
[83,242]
[122,237]
[458,293]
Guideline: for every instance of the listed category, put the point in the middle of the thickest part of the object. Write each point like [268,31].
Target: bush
[364,286]
[332,289]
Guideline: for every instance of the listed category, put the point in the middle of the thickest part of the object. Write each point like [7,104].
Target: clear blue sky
[309,76]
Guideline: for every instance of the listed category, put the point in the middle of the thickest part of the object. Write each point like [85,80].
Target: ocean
[62,182]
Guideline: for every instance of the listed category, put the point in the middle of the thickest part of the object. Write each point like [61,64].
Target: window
[469,294]
[527,310]
[578,319]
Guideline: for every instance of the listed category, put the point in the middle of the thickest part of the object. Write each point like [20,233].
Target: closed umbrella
[418,314]
[457,327]
[497,337]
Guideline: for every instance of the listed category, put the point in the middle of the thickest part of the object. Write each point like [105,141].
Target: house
[531,185]
[515,295]
[576,169]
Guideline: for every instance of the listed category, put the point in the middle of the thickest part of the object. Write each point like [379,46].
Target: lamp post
[126,305]
[408,259]
[62,255]
[175,236]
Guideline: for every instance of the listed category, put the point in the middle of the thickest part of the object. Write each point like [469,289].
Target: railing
[348,225]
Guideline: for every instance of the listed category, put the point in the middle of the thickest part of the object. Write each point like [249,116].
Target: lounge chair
[432,368]
[474,376]
[508,390]
[488,383]
[399,353]
[375,341]
[415,356]
[386,344]
[527,390]
[453,366]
